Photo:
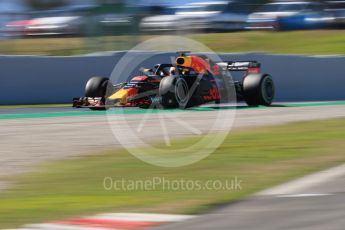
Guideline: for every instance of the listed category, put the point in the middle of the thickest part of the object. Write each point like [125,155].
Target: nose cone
[121,96]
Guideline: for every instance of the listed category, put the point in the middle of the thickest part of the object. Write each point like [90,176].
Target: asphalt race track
[32,136]
[315,202]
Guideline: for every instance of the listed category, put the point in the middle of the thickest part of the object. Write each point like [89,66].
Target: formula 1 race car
[193,80]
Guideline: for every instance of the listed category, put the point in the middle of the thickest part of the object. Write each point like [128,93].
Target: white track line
[304,195]
[305,182]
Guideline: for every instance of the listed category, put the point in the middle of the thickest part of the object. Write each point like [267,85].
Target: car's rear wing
[252,67]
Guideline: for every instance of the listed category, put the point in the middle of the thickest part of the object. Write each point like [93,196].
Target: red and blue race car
[192,80]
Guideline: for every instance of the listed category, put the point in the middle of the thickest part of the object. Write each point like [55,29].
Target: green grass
[261,157]
[295,42]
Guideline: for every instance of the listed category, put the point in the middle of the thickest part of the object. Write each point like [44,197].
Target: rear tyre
[258,89]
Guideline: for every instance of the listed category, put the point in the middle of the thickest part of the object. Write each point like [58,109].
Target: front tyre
[258,89]
[167,92]
[96,87]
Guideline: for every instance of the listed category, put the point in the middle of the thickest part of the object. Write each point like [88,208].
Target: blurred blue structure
[117,17]
[11,10]
[290,15]
[75,18]
[337,9]
[232,17]
[303,21]
[198,16]
[59,79]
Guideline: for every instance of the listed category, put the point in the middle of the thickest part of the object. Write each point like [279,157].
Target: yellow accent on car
[120,95]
